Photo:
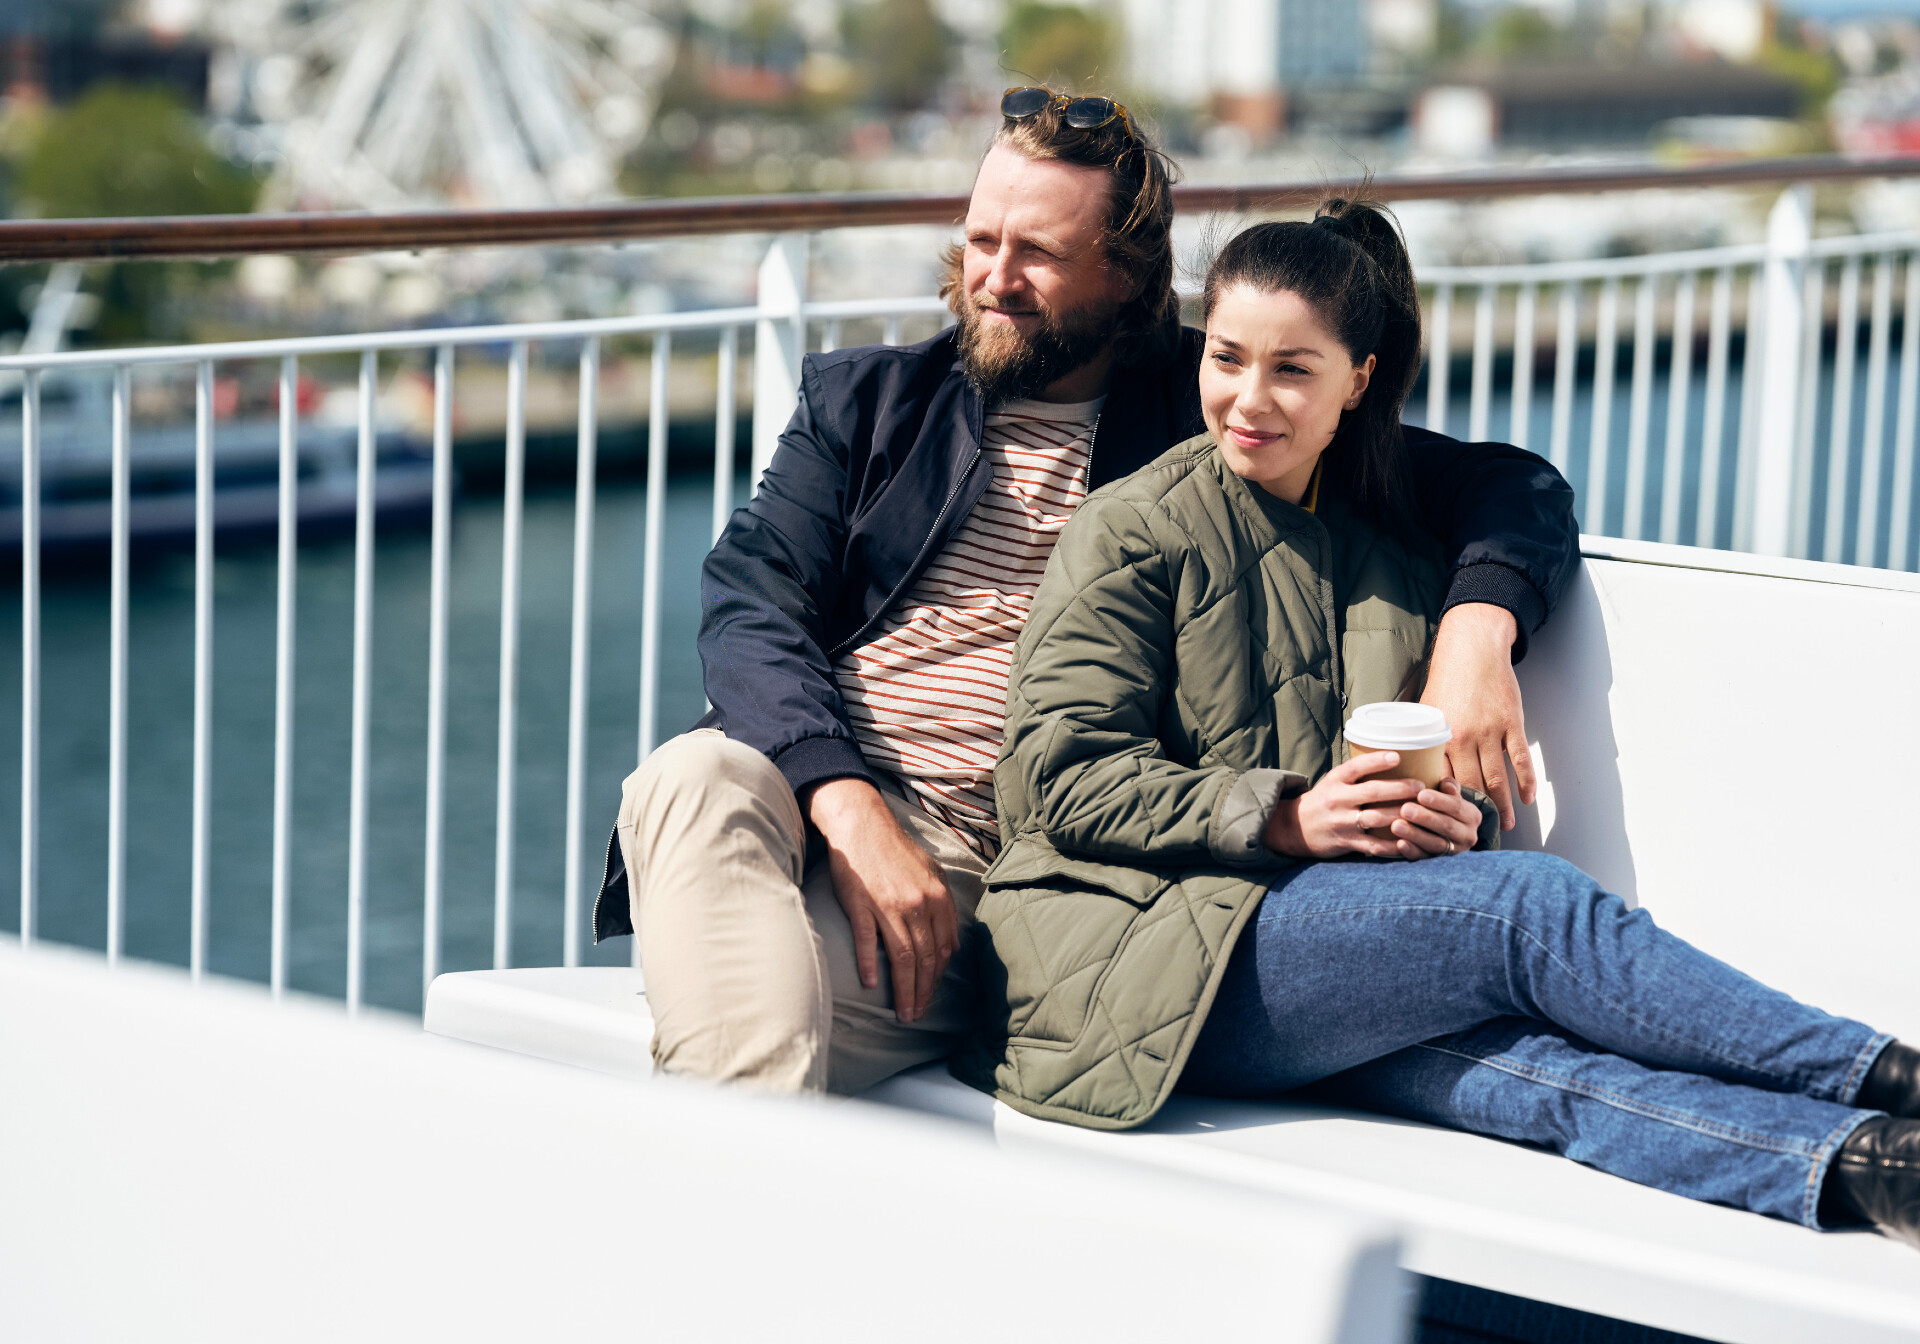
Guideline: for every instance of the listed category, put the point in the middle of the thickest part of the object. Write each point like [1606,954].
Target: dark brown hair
[1352,268]
[1138,237]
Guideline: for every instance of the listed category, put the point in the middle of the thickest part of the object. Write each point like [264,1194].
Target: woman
[1169,909]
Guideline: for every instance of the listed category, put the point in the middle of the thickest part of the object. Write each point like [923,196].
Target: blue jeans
[1507,994]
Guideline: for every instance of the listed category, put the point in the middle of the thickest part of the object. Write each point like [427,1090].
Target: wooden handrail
[213,236]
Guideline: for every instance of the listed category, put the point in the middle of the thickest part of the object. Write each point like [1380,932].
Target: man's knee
[696,765]
[716,844]
[702,802]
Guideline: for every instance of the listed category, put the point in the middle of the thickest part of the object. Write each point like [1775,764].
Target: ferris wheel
[386,104]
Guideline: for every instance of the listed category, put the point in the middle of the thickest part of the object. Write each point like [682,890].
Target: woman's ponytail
[1398,350]
[1351,266]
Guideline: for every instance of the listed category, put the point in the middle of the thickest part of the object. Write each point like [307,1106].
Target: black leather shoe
[1893,1083]
[1875,1177]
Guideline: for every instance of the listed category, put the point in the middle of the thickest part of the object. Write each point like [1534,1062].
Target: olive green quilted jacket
[1187,663]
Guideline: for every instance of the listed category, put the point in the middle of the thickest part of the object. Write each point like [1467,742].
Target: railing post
[779,339]
[1789,235]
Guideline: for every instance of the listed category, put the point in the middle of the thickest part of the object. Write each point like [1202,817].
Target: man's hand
[1472,682]
[891,889]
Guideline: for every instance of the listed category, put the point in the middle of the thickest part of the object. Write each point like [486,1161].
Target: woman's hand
[1333,817]
[1437,821]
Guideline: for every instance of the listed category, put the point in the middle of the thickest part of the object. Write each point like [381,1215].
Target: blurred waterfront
[160,744]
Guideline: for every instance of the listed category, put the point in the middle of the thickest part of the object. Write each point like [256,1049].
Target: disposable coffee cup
[1418,732]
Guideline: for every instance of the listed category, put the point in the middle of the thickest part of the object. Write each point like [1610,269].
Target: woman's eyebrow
[1289,352]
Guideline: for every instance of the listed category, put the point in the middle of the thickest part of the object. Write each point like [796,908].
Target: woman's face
[1273,383]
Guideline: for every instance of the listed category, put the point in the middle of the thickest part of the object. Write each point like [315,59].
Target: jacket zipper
[606,876]
[852,640]
[1333,628]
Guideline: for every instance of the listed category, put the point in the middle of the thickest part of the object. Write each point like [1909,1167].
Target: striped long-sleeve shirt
[928,693]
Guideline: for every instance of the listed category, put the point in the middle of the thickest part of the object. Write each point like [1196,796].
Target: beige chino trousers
[747,954]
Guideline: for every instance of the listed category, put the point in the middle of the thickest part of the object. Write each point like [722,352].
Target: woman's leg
[1516,1078]
[1347,962]
[1433,990]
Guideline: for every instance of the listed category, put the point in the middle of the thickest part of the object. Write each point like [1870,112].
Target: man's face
[1037,296]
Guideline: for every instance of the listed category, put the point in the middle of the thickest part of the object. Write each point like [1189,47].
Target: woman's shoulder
[1185,470]
[1162,476]
[1153,502]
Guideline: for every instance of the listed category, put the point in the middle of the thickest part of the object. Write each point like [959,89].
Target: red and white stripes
[928,694]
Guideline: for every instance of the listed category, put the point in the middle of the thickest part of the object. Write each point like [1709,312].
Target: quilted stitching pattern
[1179,638]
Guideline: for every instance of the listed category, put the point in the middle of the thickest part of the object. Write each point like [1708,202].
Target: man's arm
[893,892]
[1470,678]
[1505,517]
[765,589]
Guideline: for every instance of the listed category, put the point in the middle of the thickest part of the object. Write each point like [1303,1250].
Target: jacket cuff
[1242,815]
[1499,586]
[812,760]
[1489,840]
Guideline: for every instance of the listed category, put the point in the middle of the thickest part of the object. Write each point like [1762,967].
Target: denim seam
[1789,1084]
[1680,1120]
[1857,1075]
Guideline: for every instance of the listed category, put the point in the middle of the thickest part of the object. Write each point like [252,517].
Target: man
[802,867]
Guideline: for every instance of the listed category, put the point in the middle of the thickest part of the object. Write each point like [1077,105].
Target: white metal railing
[1750,458]
[1757,462]
[781,329]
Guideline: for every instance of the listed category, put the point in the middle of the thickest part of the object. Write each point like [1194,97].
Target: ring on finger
[1451,847]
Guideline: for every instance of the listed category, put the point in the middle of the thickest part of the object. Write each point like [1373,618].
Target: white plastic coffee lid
[1393,725]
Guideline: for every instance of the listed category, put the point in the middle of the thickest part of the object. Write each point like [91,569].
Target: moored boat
[76,472]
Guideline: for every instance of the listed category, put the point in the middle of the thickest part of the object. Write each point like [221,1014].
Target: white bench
[1691,711]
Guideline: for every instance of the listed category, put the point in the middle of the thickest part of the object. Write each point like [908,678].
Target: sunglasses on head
[1083,114]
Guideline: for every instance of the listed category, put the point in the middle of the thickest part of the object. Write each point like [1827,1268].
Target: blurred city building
[1238,59]
[236,104]
[54,50]
[1558,106]
[386,102]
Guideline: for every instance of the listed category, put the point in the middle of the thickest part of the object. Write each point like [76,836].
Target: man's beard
[1004,364]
